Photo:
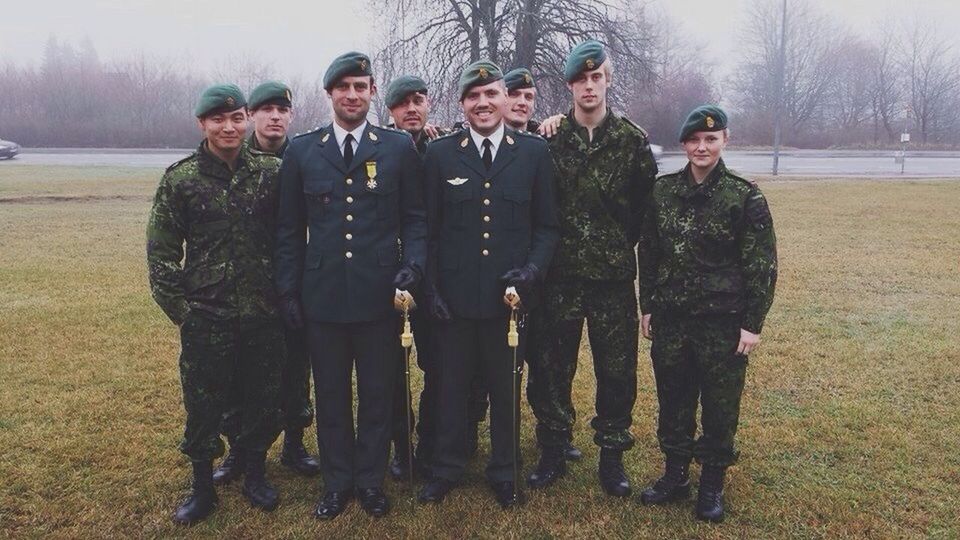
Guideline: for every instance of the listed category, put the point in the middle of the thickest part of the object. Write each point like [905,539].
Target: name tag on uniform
[457,181]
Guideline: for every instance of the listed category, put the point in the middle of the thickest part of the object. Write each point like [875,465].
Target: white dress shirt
[341,135]
[495,139]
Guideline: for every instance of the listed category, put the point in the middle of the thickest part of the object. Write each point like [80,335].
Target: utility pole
[781,76]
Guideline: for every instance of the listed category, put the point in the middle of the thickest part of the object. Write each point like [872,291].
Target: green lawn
[850,422]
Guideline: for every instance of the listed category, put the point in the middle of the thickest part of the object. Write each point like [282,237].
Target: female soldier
[708,270]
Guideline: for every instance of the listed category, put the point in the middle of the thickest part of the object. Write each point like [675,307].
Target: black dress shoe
[506,496]
[613,478]
[231,468]
[332,504]
[551,467]
[572,453]
[373,501]
[295,456]
[435,491]
[203,498]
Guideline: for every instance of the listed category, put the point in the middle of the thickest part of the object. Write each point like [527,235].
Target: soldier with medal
[356,189]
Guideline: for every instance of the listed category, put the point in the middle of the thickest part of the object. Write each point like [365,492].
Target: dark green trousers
[610,311]
[215,358]
[695,360]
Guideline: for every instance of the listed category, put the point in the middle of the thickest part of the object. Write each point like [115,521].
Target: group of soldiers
[276,256]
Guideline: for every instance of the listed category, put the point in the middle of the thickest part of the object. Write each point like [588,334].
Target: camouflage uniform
[222,296]
[708,268]
[295,407]
[602,186]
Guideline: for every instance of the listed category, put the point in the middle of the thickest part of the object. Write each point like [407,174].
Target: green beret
[270,93]
[518,78]
[479,73]
[403,86]
[346,65]
[586,56]
[219,98]
[703,118]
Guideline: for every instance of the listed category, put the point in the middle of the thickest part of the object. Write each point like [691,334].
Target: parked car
[657,152]
[8,149]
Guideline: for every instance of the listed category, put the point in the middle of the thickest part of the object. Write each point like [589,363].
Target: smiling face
[520,106]
[483,106]
[411,113]
[224,131]
[351,100]
[590,89]
[704,149]
[271,121]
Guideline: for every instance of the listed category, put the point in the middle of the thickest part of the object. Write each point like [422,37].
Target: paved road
[794,162]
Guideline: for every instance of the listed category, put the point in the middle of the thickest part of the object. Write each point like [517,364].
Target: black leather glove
[438,308]
[407,277]
[290,311]
[524,277]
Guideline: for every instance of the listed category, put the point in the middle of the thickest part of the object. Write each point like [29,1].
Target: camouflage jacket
[255,145]
[708,248]
[227,222]
[602,186]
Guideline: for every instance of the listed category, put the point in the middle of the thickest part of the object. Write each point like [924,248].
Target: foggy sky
[303,36]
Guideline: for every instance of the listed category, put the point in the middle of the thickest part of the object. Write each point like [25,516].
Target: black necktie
[487,154]
[348,149]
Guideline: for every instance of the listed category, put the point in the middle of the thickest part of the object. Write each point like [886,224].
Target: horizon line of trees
[839,88]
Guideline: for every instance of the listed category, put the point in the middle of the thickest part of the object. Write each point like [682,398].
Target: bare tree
[851,92]
[886,92]
[933,80]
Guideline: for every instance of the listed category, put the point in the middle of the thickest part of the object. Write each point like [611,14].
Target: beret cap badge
[483,73]
[230,101]
[590,63]
[527,78]
[710,122]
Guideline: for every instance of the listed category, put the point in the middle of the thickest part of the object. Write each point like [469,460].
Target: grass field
[850,423]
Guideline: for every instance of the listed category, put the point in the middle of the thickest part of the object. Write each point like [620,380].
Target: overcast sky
[306,35]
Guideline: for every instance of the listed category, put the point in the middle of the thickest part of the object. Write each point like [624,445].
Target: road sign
[904,137]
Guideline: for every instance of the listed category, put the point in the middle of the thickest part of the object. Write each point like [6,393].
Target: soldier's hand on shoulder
[550,126]
[431,131]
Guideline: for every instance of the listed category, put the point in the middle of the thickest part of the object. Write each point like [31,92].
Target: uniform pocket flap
[205,276]
[519,195]
[318,187]
[458,193]
[313,260]
[728,282]
[389,256]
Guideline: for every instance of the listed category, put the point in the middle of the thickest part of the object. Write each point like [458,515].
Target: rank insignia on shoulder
[373,136]
[457,181]
[325,138]
[509,139]
[464,143]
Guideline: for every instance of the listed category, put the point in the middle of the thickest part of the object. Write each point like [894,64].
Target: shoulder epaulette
[447,136]
[670,174]
[305,133]
[532,135]
[736,175]
[390,128]
[634,125]
[182,161]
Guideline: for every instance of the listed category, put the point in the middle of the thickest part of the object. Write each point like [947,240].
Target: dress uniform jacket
[484,223]
[355,216]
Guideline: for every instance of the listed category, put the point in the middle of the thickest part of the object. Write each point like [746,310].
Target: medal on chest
[371,175]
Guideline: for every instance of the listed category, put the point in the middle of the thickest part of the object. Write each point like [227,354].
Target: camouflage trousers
[214,357]
[610,311]
[296,410]
[694,359]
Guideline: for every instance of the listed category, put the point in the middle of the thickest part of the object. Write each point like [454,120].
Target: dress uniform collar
[495,139]
[341,134]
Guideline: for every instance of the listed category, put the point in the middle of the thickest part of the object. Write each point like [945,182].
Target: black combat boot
[230,468]
[203,498]
[612,476]
[572,453]
[255,487]
[295,456]
[710,497]
[674,485]
[551,467]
